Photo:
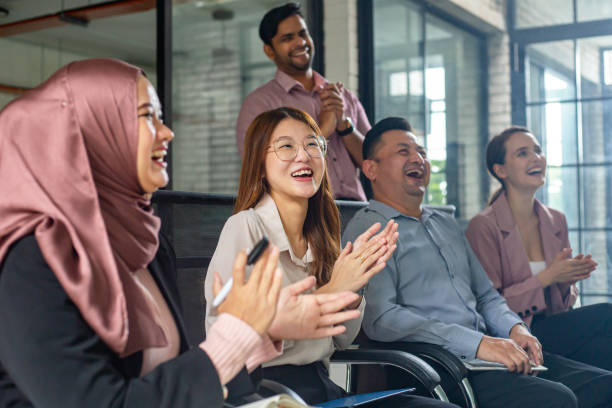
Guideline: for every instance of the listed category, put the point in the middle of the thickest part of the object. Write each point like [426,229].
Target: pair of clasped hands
[290,314]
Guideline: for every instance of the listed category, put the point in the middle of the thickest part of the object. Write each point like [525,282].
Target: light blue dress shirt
[433,289]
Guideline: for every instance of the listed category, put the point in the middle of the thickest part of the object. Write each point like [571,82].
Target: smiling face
[292,49]
[400,169]
[524,165]
[153,139]
[297,178]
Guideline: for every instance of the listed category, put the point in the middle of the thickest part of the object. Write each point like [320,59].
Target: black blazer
[50,357]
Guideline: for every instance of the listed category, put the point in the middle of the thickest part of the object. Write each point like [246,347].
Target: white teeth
[158,154]
[302,173]
[534,171]
[414,173]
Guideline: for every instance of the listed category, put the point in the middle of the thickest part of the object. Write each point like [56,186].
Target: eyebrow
[418,146]
[146,105]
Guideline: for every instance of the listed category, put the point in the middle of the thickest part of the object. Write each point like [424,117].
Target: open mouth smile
[302,174]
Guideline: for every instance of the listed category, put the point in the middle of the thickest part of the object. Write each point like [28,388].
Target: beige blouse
[243,231]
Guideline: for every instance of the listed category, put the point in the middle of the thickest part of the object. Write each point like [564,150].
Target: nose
[416,157]
[302,155]
[164,133]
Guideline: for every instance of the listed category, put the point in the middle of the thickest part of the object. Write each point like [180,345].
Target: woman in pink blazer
[524,248]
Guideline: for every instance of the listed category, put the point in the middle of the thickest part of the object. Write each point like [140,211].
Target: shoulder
[556,215]
[483,221]
[263,94]
[240,222]
[362,220]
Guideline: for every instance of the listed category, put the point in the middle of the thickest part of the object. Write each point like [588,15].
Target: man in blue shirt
[434,289]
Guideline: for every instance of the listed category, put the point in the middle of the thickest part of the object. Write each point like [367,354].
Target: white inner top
[537,267]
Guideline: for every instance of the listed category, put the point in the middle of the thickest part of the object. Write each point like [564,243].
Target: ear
[269,51]
[500,171]
[369,169]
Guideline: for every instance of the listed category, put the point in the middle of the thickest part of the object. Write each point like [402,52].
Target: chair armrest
[401,359]
[430,353]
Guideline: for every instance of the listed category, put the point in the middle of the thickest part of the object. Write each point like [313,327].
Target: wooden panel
[110,9]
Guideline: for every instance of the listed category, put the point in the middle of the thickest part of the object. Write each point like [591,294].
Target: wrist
[544,278]
[344,127]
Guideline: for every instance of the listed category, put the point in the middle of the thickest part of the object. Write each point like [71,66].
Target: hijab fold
[68,152]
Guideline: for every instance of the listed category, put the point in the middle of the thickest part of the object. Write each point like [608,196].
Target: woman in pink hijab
[89,308]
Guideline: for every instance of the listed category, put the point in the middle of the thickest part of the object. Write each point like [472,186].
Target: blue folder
[362,399]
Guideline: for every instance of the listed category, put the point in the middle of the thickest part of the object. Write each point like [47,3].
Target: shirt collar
[389,212]
[270,218]
[288,83]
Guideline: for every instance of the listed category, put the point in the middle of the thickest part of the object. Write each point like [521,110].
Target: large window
[564,89]
[217,60]
[431,72]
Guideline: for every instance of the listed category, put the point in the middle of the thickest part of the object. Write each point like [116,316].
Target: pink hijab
[68,164]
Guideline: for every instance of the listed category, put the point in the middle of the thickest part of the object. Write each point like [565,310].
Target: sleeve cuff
[266,350]
[229,343]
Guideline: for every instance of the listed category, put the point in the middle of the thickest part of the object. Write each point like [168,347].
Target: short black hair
[372,138]
[269,24]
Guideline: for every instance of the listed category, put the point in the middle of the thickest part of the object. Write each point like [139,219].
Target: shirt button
[527,312]
[534,308]
[463,357]
[520,314]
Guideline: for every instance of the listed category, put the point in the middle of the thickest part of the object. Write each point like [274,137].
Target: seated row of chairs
[193,222]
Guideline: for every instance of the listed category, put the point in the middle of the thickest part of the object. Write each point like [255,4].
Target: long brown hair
[496,154]
[322,223]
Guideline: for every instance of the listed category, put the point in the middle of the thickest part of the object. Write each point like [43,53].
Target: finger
[334,302]
[367,234]
[374,257]
[371,251]
[239,268]
[328,332]
[275,288]
[258,269]
[301,286]
[217,284]
[337,318]
[269,272]
[348,248]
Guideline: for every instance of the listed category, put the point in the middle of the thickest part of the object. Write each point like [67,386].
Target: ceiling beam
[83,14]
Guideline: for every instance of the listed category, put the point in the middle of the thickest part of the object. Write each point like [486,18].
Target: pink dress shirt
[496,241]
[286,91]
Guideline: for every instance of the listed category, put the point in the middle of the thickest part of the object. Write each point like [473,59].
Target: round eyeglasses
[286,148]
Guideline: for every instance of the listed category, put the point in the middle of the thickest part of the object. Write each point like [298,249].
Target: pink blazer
[496,240]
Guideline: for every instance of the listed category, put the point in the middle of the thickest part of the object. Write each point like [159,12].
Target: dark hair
[269,23]
[372,138]
[496,154]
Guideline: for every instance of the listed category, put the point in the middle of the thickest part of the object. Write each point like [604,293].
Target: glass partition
[218,59]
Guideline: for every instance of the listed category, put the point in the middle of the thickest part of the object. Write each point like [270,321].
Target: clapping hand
[564,269]
[361,260]
[253,301]
[310,316]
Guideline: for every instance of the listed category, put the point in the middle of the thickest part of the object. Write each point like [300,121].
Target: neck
[292,212]
[521,204]
[409,206]
[306,78]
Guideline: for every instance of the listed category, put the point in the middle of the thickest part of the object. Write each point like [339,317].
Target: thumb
[563,254]
[217,284]
[301,286]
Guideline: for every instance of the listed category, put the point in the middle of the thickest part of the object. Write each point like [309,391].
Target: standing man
[434,289]
[338,112]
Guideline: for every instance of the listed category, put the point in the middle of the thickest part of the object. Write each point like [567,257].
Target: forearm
[354,144]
